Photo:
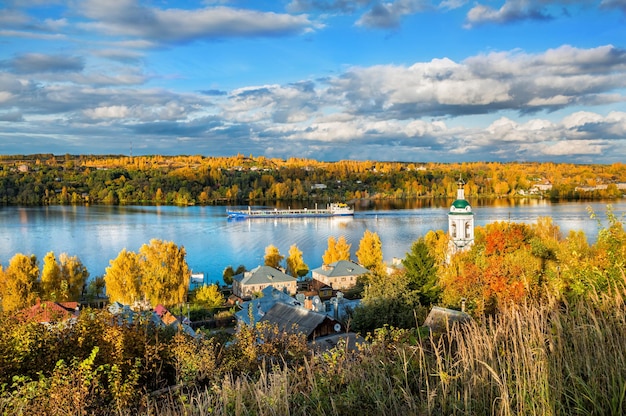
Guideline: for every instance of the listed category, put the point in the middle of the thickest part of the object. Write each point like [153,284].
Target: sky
[396,80]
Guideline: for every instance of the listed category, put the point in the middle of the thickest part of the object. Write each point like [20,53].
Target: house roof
[263,304]
[286,317]
[341,268]
[263,275]
[49,311]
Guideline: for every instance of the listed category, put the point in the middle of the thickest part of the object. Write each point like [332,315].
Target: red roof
[49,311]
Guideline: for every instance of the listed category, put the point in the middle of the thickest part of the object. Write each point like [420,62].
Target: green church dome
[460,204]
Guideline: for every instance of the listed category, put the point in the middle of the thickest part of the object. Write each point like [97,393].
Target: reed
[532,359]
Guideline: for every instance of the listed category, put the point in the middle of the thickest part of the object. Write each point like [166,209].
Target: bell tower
[460,222]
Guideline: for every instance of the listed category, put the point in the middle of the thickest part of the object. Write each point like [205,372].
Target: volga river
[96,234]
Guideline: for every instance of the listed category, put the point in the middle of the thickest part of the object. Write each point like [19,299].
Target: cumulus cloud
[131,19]
[33,63]
[392,112]
[327,6]
[484,83]
[517,10]
[388,14]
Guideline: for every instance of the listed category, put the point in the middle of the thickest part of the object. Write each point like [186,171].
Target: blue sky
[397,80]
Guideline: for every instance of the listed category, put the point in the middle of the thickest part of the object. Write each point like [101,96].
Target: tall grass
[533,359]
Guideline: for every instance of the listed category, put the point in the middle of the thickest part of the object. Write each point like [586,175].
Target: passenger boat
[331,210]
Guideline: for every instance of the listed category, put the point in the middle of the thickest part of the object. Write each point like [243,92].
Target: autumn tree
[337,250]
[123,278]
[330,254]
[295,263]
[164,272]
[209,296]
[19,282]
[342,248]
[273,258]
[370,253]
[51,282]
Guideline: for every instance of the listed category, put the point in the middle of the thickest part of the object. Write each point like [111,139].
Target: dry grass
[530,360]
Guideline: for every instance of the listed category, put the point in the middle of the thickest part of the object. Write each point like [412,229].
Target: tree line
[46,179]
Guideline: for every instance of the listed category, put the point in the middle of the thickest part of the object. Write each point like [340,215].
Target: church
[460,222]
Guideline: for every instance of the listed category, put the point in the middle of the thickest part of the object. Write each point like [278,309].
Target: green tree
[164,272]
[387,301]
[273,258]
[370,253]
[421,273]
[96,288]
[74,273]
[295,263]
[18,283]
[228,274]
[123,278]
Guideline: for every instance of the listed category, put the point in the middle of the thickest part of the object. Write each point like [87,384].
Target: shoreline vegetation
[47,179]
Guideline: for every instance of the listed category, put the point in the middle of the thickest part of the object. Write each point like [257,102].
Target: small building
[340,275]
[255,309]
[48,312]
[292,319]
[247,283]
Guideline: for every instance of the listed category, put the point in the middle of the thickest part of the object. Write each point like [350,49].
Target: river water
[96,234]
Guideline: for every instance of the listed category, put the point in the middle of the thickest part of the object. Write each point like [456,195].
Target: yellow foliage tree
[295,263]
[272,256]
[18,283]
[343,249]
[210,296]
[330,253]
[164,272]
[370,253]
[123,278]
[51,282]
[337,250]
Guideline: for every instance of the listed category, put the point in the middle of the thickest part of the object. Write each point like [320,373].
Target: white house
[340,275]
[257,279]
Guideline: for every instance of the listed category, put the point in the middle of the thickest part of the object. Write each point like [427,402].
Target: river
[96,234]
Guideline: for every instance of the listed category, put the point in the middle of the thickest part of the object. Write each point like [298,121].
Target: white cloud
[129,18]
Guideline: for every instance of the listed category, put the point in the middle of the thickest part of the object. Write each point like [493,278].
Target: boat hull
[333,210]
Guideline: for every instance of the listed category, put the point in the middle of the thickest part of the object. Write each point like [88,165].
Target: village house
[340,275]
[289,318]
[247,283]
[48,312]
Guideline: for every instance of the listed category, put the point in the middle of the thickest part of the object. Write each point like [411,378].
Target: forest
[47,179]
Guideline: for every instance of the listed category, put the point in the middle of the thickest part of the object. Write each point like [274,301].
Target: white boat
[331,210]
